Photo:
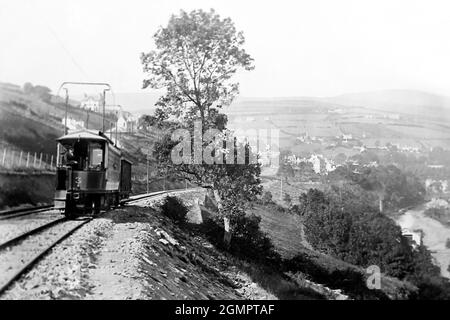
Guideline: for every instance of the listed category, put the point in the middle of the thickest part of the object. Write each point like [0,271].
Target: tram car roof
[84,135]
[93,135]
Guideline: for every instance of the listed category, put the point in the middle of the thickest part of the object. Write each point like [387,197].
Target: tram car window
[95,156]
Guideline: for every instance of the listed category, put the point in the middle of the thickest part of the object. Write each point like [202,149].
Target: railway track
[10,214]
[20,253]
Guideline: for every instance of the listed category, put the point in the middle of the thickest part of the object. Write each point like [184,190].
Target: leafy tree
[340,158]
[27,87]
[146,121]
[196,55]
[267,197]
[42,92]
[352,231]
[287,199]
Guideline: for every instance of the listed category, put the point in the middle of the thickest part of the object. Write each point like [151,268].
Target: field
[299,119]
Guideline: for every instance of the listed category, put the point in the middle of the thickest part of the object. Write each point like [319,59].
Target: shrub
[287,198]
[346,278]
[248,241]
[174,208]
[267,197]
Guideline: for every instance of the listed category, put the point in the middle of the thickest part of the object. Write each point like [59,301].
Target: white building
[414,236]
[127,122]
[92,103]
[319,162]
[73,125]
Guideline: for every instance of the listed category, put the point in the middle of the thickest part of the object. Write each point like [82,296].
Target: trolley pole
[104,103]
[67,106]
[147,171]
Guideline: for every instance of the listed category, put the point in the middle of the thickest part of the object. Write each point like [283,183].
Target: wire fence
[20,160]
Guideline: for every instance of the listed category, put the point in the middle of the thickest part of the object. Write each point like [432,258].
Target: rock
[194,214]
[148,260]
[164,241]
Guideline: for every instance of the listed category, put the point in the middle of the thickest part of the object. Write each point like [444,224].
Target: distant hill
[401,101]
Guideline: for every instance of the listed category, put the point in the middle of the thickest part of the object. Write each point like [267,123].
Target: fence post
[20,158]
[51,163]
[4,157]
[34,161]
[28,158]
[40,160]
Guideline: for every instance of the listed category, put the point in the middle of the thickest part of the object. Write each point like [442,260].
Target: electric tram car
[92,173]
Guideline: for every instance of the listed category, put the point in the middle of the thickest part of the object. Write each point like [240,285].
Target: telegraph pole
[281,188]
[104,104]
[117,121]
[147,168]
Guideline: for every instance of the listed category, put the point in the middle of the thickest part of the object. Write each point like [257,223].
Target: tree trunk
[226,221]
[227,233]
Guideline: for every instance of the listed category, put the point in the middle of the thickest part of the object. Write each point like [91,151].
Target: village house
[91,103]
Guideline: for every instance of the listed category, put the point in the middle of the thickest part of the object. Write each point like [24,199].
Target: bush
[248,241]
[355,234]
[267,197]
[174,208]
[346,278]
[287,198]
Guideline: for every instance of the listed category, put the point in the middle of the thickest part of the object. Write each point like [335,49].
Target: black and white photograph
[225,155]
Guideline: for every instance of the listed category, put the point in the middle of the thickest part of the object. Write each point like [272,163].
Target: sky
[301,48]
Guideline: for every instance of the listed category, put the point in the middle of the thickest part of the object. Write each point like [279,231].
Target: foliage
[287,199]
[196,55]
[340,223]
[396,188]
[334,275]
[354,232]
[42,92]
[174,208]
[427,276]
[267,197]
[248,242]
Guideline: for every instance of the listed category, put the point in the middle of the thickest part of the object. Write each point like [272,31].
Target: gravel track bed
[14,227]
[135,252]
[15,257]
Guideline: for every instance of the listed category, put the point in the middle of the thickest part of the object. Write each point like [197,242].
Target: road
[435,235]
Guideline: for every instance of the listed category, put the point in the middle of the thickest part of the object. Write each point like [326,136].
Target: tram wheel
[71,210]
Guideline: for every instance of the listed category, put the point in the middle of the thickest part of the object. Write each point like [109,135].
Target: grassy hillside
[30,124]
[286,232]
[25,189]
